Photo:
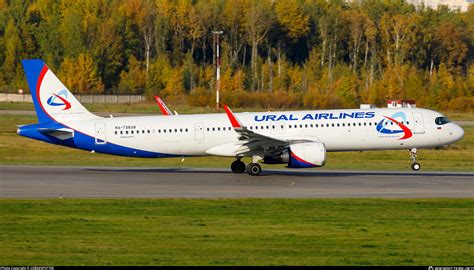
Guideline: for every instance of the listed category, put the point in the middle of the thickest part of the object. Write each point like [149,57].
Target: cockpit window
[441,120]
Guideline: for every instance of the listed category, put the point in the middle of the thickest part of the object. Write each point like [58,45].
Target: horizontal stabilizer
[60,133]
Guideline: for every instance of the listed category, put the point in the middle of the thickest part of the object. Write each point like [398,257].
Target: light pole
[218,67]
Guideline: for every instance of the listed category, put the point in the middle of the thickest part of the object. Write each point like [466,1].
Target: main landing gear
[237,166]
[253,169]
[414,165]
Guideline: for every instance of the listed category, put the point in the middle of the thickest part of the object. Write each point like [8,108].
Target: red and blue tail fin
[53,101]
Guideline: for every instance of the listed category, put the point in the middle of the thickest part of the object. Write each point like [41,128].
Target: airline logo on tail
[59,99]
[382,126]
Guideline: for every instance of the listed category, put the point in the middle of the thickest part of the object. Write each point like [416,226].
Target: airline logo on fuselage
[315,116]
[59,99]
[401,128]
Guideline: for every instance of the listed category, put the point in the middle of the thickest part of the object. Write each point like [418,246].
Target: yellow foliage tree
[133,81]
[80,75]
[291,17]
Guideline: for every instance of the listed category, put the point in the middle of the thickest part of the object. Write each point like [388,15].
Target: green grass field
[237,232]
[20,150]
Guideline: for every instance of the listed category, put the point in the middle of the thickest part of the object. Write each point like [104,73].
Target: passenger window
[365,124]
[218,129]
[337,124]
[180,130]
[186,130]
[121,132]
[126,132]
[213,129]
[408,122]
[360,124]
[332,125]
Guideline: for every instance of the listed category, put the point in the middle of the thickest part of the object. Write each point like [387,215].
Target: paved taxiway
[108,182]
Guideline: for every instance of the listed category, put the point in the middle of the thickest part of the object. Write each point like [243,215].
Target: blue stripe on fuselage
[85,142]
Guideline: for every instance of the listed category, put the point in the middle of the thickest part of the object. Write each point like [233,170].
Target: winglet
[233,120]
[164,109]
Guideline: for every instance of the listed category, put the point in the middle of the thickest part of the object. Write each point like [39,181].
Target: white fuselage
[339,130]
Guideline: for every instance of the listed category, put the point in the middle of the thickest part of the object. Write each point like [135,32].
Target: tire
[237,166]
[415,166]
[254,169]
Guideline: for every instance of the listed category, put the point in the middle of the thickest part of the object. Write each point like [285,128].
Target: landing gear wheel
[415,166]
[237,166]
[254,169]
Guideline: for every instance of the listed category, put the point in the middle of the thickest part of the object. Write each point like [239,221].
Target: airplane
[163,108]
[299,139]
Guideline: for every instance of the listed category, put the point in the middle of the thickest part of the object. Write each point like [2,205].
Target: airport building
[461,5]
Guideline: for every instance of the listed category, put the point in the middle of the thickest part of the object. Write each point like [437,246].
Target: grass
[19,150]
[151,108]
[237,232]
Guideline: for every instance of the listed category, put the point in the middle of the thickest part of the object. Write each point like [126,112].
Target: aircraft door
[100,136]
[199,131]
[418,123]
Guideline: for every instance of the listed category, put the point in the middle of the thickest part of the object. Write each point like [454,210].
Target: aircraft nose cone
[460,133]
[457,133]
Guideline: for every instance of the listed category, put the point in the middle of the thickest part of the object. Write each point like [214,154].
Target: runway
[121,182]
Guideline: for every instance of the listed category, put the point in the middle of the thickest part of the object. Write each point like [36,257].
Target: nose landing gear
[414,165]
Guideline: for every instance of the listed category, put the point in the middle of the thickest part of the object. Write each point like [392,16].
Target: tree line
[274,53]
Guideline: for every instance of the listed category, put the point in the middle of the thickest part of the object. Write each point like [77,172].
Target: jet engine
[300,155]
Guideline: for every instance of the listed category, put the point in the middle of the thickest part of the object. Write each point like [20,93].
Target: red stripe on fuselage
[406,130]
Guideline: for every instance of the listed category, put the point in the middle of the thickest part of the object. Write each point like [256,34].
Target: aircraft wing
[252,141]
[163,108]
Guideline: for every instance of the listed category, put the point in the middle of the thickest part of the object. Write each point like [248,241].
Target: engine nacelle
[301,155]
